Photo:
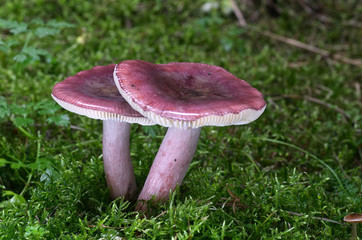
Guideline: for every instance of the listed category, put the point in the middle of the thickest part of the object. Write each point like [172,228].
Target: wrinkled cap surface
[93,93]
[188,95]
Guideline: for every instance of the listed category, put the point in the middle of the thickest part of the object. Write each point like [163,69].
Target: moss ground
[292,174]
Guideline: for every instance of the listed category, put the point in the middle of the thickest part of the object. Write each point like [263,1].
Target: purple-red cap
[93,93]
[187,95]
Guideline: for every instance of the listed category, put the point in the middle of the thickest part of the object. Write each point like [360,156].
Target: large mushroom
[93,93]
[183,97]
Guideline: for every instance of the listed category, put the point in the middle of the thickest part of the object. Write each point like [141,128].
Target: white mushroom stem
[170,165]
[117,160]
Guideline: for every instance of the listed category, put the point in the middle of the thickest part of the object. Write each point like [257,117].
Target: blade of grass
[31,173]
[310,154]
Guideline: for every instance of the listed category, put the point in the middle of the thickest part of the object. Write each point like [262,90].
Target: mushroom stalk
[170,165]
[117,160]
[354,231]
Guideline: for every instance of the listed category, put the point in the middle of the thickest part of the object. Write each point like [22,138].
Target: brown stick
[159,215]
[293,42]
[104,226]
[315,100]
[309,48]
[319,218]
[238,14]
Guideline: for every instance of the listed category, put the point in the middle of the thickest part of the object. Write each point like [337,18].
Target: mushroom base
[170,165]
[117,160]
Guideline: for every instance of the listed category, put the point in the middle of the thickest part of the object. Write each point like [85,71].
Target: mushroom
[93,93]
[353,218]
[183,97]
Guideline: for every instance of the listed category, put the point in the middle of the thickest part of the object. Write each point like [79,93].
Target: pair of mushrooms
[181,96]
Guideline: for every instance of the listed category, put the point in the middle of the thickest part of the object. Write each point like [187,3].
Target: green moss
[273,179]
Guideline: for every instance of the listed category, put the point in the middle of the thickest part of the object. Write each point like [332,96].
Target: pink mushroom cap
[188,95]
[93,93]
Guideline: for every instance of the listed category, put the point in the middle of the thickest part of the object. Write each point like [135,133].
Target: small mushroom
[93,93]
[183,97]
[353,218]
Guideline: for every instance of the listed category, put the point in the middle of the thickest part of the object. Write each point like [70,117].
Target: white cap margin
[101,114]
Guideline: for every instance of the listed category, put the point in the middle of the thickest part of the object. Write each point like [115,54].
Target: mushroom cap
[188,95]
[94,94]
[353,218]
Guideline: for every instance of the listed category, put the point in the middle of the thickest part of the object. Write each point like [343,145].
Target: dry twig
[293,42]
[49,216]
[159,215]
[103,226]
[238,14]
[315,100]
[236,201]
[319,218]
